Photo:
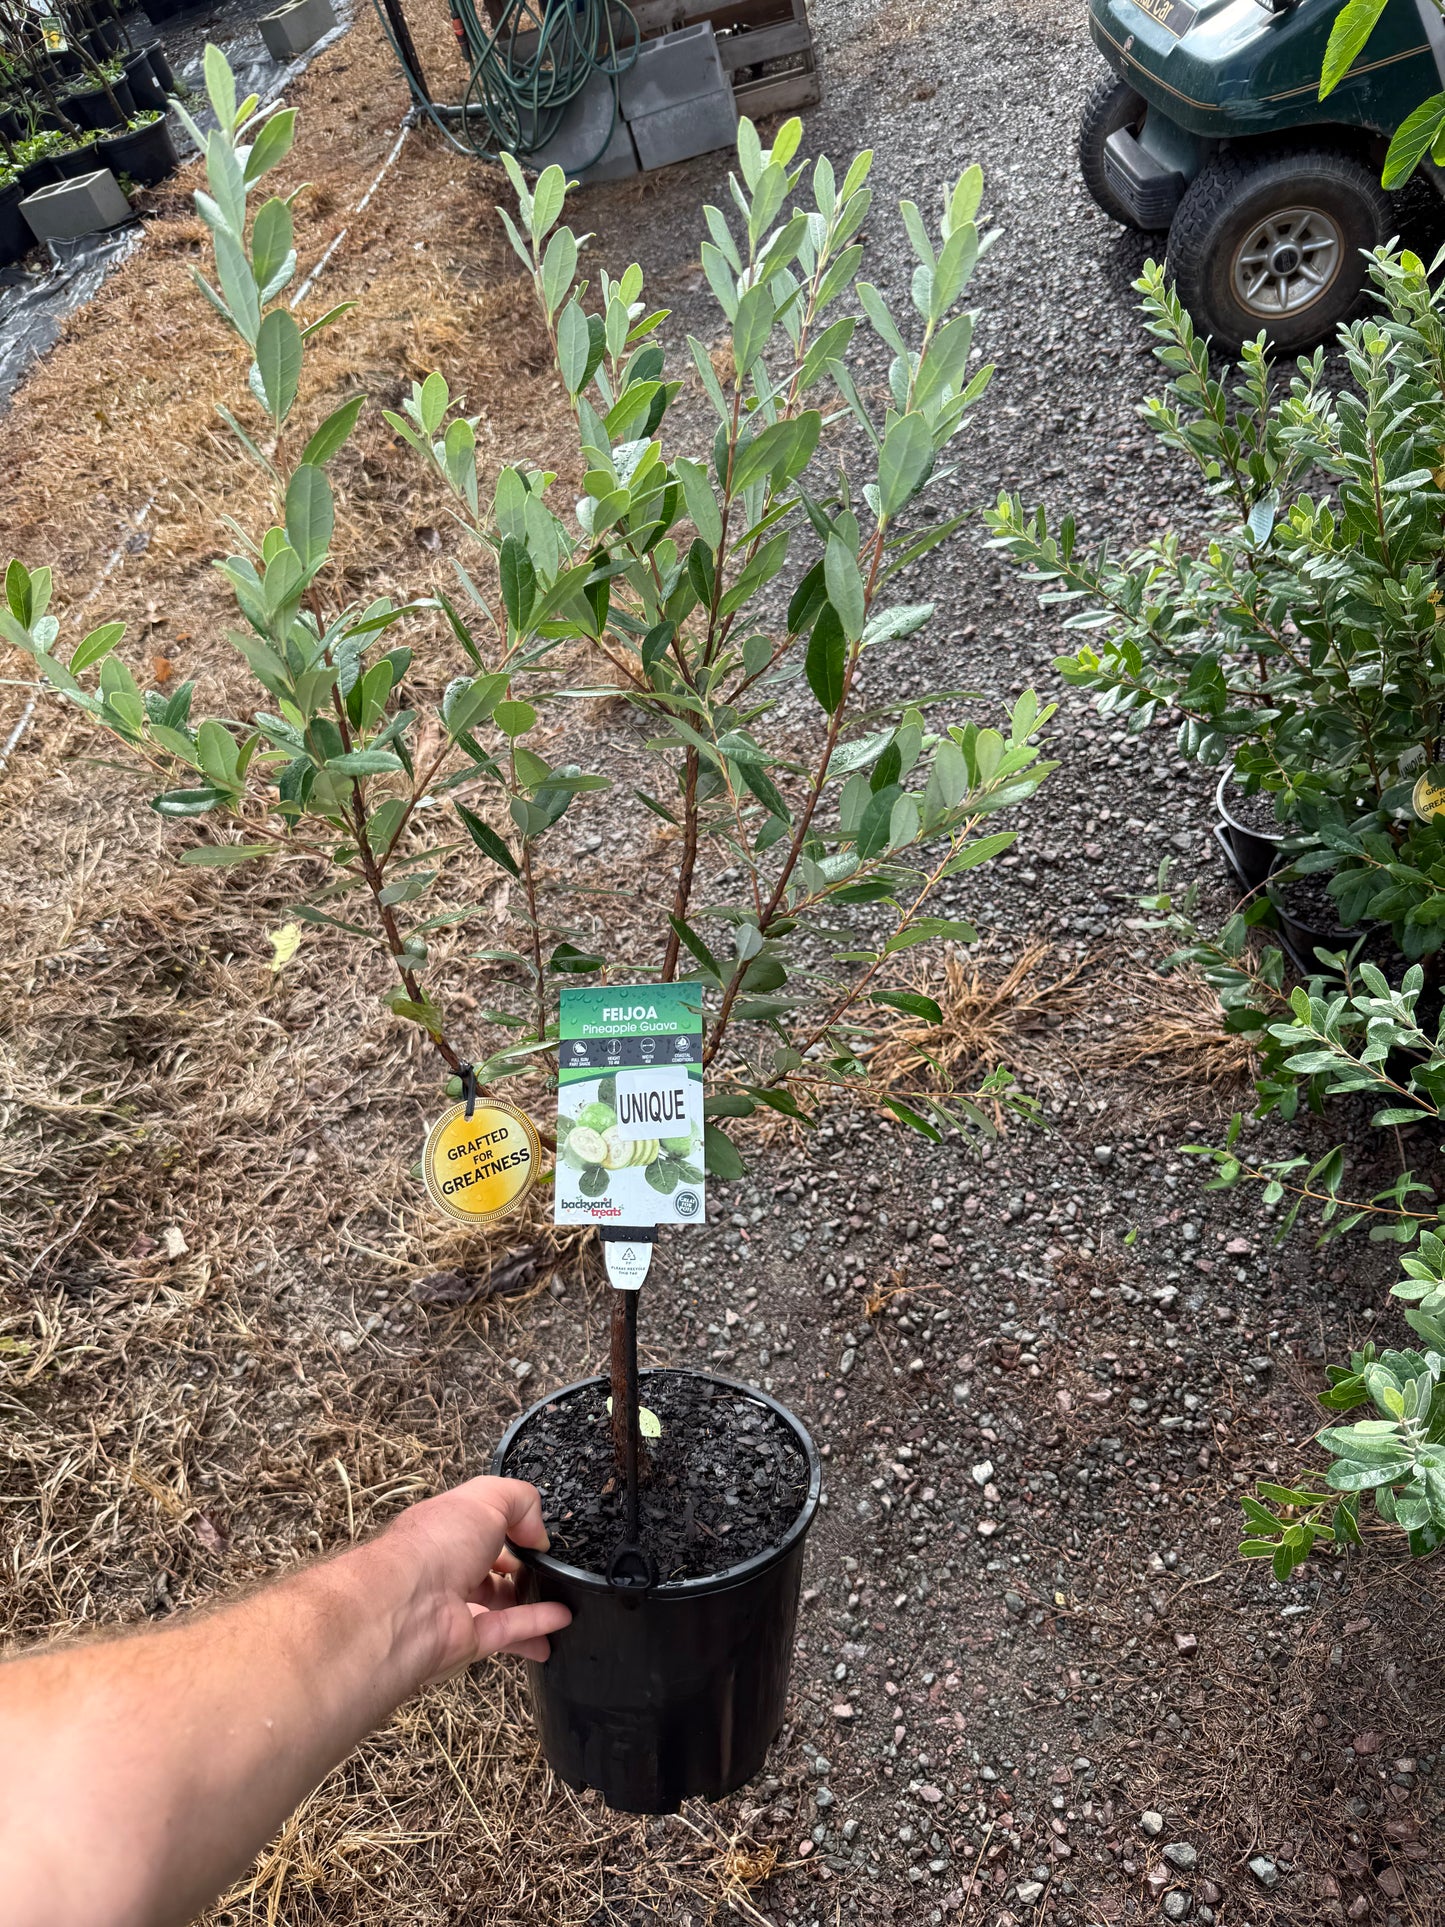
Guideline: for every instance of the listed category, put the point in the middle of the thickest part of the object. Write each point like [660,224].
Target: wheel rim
[1287,261]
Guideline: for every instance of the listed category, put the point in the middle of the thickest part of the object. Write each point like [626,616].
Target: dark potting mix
[724,1482]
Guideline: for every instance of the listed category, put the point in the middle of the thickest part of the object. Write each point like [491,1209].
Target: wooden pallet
[766,47]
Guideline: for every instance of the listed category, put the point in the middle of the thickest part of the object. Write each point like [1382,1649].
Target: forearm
[138,1776]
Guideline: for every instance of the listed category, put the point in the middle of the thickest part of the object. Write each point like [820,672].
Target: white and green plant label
[629,1106]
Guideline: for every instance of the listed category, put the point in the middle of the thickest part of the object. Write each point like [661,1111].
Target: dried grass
[1171,1027]
[994,1013]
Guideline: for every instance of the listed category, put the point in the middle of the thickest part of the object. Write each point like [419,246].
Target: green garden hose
[523,74]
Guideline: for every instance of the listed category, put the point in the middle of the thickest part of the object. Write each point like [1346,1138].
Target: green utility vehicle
[1210,125]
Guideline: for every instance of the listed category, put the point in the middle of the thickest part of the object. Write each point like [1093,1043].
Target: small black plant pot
[104,39]
[1303,931]
[16,239]
[41,173]
[1252,852]
[662,1693]
[147,154]
[90,106]
[161,69]
[145,90]
[77,161]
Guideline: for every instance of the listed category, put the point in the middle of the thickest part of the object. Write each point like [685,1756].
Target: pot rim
[1349,933]
[1245,829]
[707,1582]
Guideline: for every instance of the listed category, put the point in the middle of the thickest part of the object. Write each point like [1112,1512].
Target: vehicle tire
[1274,242]
[1112,104]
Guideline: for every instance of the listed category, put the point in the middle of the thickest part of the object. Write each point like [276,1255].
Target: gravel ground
[1033,1679]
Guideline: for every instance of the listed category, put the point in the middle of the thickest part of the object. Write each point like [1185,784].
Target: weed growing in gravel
[660,584]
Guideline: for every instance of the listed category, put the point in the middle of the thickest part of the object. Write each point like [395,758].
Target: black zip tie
[469,1089]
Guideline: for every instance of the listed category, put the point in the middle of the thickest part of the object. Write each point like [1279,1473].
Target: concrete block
[691,127]
[583,129]
[67,209]
[675,67]
[290,30]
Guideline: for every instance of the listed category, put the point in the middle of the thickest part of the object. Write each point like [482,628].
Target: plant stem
[626,1436]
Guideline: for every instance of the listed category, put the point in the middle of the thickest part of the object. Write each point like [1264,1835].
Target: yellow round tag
[1427,799]
[483,1166]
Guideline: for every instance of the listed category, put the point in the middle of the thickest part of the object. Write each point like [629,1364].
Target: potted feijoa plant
[394,755]
[1297,638]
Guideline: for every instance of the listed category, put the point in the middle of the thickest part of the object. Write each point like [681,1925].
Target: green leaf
[905,460]
[273,250]
[271,145]
[911,1002]
[513,718]
[278,360]
[487,840]
[220,85]
[519,582]
[310,515]
[906,1115]
[720,1156]
[1412,140]
[696,945]
[364,762]
[97,644]
[194,802]
[826,662]
[1353,26]
[333,432]
[216,855]
[845,585]
[752,325]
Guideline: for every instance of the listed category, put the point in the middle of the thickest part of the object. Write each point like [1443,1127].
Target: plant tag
[480,1167]
[52,32]
[629,1106]
[1427,799]
[627,1263]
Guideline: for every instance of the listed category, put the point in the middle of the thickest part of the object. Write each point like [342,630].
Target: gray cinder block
[68,209]
[290,30]
[674,68]
[691,127]
[584,127]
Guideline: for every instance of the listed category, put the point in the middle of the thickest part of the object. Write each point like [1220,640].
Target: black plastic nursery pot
[76,161]
[147,154]
[1253,852]
[145,90]
[664,1692]
[41,173]
[1303,931]
[161,68]
[90,106]
[16,239]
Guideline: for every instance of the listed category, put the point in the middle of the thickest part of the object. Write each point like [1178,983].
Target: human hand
[461,1574]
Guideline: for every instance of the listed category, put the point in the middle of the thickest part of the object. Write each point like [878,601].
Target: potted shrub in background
[1298,642]
[389,770]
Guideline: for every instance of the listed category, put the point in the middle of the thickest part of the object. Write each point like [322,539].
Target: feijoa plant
[734,598]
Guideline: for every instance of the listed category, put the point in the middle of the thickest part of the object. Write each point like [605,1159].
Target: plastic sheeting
[37,294]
